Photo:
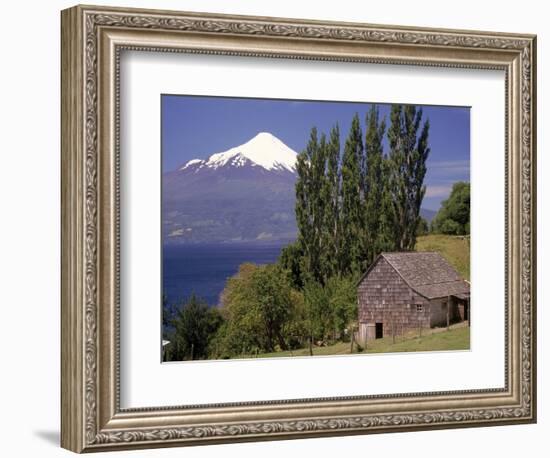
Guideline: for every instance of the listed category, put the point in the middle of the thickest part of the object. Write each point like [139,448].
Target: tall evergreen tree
[408,154]
[351,210]
[375,184]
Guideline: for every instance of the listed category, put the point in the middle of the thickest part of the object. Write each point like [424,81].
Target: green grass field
[455,249]
[438,339]
[457,338]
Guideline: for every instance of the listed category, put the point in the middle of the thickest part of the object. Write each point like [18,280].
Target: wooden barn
[408,291]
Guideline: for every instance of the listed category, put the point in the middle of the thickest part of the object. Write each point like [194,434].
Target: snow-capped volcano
[246,193]
[264,150]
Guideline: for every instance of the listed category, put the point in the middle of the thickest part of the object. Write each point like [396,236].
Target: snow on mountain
[264,150]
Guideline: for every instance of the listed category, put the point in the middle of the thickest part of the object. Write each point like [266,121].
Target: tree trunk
[281,341]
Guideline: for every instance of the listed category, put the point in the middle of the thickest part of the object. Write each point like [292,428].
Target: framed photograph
[278,228]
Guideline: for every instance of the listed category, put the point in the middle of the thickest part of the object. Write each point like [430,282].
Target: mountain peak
[264,150]
[264,135]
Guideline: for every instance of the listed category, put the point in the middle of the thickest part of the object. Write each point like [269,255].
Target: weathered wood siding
[439,312]
[384,297]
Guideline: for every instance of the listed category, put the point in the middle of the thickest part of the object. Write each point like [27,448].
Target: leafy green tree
[454,216]
[195,325]
[271,303]
[409,152]
[351,196]
[342,294]
[330,308]
[242,331]
[258,305]
[296,330]
[318,311]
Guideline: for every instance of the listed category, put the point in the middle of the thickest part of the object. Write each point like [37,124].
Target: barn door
[379,330]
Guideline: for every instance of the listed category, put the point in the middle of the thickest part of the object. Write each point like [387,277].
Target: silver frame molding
[92,40]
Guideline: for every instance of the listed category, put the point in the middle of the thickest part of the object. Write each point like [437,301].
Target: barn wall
[439,312]
[384,297]
[438,309]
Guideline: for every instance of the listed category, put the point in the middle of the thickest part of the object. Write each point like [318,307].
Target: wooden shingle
[427,273]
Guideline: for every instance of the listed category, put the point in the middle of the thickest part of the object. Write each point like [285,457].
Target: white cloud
[438,191]
[449,168]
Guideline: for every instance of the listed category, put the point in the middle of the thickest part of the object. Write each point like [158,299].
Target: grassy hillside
[455,249]
[438,339]
[457,338]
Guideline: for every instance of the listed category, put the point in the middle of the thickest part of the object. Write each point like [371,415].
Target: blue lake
[203,269]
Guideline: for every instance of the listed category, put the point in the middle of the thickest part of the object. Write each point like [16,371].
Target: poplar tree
[318,203]
[303,208]
[408,154]
[351,210]
[375,186]
[353,206]
[331,201]
[310,206]
[386,239]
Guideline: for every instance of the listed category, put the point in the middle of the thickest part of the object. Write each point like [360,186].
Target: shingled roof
[428,273]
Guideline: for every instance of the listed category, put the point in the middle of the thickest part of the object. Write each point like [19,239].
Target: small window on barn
[419,307]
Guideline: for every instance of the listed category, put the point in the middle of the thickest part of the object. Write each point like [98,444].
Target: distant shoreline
[281,242]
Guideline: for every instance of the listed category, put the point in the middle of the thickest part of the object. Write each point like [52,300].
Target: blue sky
[198,126]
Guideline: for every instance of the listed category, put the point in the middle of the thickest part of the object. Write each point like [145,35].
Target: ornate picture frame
[92,41]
